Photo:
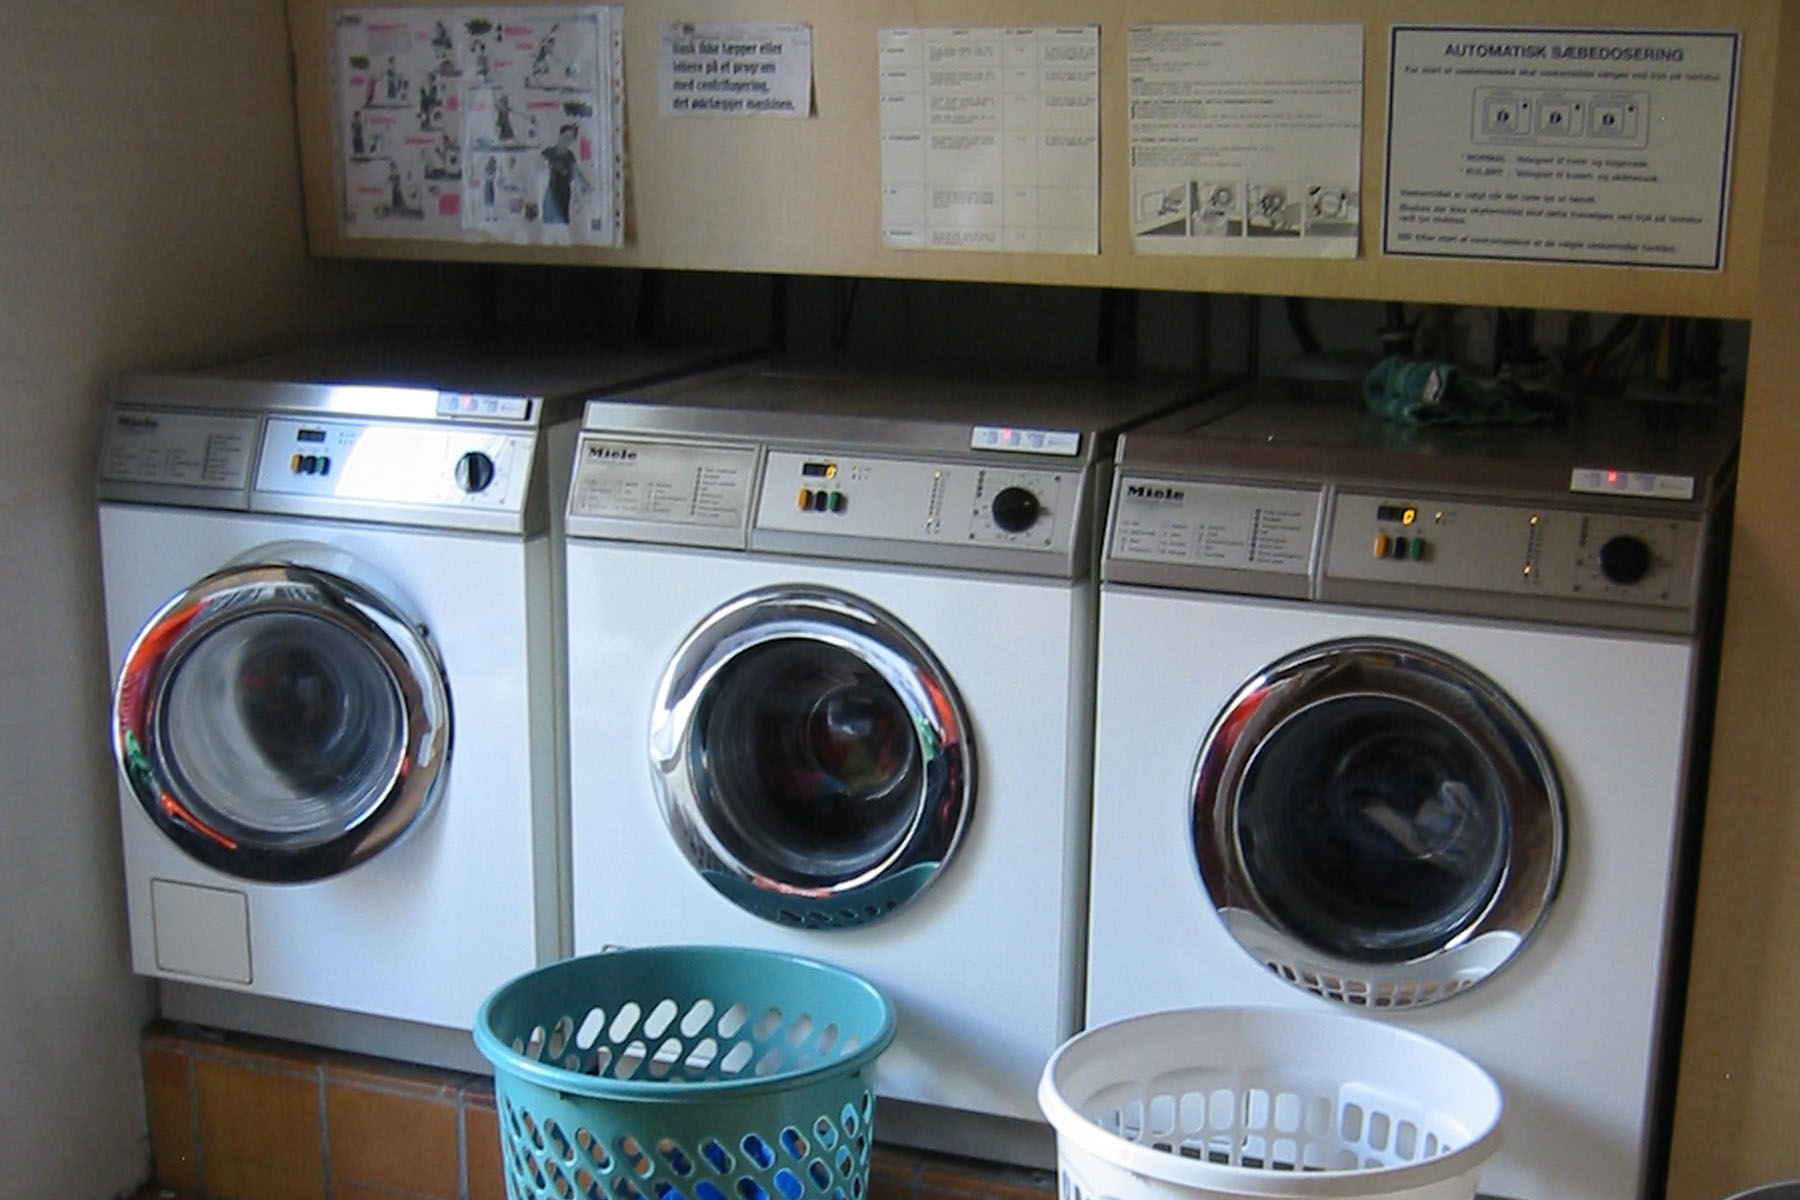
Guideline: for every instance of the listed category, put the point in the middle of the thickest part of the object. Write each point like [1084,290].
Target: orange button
[805,498]
[1381,545]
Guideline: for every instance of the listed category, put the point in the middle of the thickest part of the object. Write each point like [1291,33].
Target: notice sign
[1246,139]
[990,139]
[1560,145]
[735,71]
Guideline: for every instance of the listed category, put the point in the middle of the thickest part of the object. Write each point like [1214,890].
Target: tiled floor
[240,1118]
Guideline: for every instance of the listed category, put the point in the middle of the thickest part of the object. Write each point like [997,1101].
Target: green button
[1416,550]
[837,502]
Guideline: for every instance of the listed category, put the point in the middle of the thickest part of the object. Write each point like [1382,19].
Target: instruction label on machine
[657,483]
[1222,526]
[1604,146]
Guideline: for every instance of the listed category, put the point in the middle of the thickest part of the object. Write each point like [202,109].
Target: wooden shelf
[804,197]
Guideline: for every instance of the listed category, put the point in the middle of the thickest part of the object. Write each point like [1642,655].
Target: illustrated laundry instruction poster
[1246,139]
[1601,146]
[990,139]
[494,123]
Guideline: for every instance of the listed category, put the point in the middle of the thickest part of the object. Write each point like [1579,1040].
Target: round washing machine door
[811,757]
[1377,822]
[283,722]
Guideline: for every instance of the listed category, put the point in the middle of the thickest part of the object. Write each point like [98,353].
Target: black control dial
[1625,559]
[474,471]
[1016,509]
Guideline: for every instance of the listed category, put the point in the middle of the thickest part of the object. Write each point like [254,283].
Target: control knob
[474,471]
[1016,509]
[1625,559]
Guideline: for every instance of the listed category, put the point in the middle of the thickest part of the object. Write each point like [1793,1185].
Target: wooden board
[804,197]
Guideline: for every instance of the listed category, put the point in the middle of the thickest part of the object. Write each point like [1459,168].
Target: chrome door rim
[406,795]
[1411,674]
[942,738]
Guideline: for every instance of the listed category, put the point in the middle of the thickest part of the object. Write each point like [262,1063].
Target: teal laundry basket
[685,1073]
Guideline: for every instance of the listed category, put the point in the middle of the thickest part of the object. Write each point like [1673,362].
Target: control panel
[200,450]
[1514,549]
[394,463]
[956,503]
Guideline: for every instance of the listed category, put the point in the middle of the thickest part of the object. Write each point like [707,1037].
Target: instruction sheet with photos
[1246,139]
[758,70]
[463,124]
[1603,146]
[990,139]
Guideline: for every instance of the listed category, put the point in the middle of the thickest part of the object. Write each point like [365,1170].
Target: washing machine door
[282,722]
[811,757]
[1377,822]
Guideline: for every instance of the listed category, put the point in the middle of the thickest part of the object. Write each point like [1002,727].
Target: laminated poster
[461,124]
[1605,146]
[1246,139]
[990,139]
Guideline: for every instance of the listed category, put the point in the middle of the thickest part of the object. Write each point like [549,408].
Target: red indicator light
[1612,476]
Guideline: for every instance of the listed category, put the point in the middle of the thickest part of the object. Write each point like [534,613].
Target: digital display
[310,435]
[818,470]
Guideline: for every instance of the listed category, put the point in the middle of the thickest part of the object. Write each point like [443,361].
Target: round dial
[1625,559]
[1016,509]
[474,471]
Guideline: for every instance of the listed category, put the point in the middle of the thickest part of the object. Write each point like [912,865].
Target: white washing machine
[332,606]
[1404,720]
[830,669]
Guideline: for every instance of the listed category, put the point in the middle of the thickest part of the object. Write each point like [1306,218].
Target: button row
[820,500]
[1409,548]
[310,464]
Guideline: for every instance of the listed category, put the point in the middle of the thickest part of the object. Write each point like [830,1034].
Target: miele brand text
[623,454]
[144,424]
[1155,493]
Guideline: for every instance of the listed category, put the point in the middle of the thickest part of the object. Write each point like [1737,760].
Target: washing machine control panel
[394,462]
[912,500]
[1636,558]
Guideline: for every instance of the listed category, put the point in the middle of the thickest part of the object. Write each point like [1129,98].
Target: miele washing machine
[830,639]
[332,605]
[1403,719]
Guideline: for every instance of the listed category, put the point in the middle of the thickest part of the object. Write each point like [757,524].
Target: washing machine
[332,609]
[1403,719]
[830,672]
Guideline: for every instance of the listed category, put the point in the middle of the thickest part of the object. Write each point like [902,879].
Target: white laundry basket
[1205,1103]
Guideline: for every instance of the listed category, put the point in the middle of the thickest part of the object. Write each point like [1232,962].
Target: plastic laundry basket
[685,1073]
[1236,1102]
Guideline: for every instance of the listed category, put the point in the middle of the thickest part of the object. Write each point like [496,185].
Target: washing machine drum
[281,721]
[811,757]
[1378,822]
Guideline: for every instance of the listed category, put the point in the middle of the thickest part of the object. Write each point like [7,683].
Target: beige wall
[1738,1100]
[150,214]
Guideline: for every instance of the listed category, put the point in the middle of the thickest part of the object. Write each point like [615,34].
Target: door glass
[807,762]
[285,727]
[1373,828]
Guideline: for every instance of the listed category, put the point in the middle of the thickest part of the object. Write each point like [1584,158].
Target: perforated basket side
[704,1020]
[1255,1102]
[808,1142]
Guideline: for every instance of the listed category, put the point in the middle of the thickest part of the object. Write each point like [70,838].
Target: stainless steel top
[885,407]
[1302,430]
[989,469]
[1608,517]
[434,433]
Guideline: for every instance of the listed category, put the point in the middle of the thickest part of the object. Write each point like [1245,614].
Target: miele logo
[141,424]
[1155,493]
[615,454]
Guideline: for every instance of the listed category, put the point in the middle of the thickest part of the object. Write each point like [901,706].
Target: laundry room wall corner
[152,215]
